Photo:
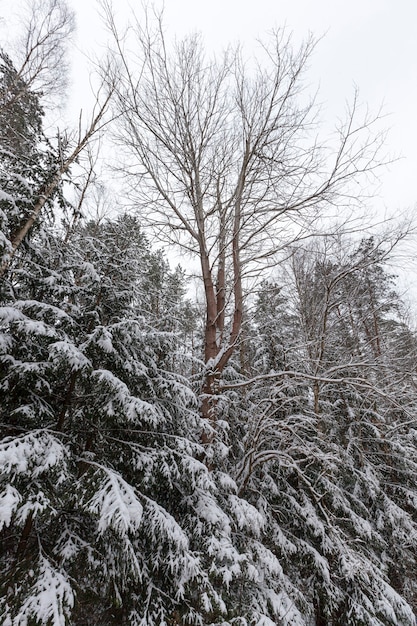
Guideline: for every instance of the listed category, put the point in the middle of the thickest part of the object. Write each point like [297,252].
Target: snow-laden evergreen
[108,514]
[333,468]
[27,160]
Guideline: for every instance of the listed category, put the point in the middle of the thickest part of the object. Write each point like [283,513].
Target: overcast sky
[368,43]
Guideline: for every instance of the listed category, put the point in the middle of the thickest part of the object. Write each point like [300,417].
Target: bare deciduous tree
[223,160]
[42,48]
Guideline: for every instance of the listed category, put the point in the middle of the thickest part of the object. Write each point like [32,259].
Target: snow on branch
[116,505]
[49,600]
[34,453]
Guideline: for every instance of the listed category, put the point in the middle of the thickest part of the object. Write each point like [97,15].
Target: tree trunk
[49,189]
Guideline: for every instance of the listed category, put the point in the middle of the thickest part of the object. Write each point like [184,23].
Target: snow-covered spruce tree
[34,166]
[332,474]
[27,161]
[107,515]
[85,410]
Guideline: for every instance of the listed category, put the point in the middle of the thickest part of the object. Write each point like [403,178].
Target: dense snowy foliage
[121,501]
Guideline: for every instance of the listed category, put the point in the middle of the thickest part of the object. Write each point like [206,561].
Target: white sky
[368,43]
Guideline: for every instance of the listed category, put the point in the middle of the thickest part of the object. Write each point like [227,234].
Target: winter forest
[227,441]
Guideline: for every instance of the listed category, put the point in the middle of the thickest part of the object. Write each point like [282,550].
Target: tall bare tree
[42,55]
[224,161]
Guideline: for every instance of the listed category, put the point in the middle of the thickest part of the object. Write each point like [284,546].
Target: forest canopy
[246,457]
